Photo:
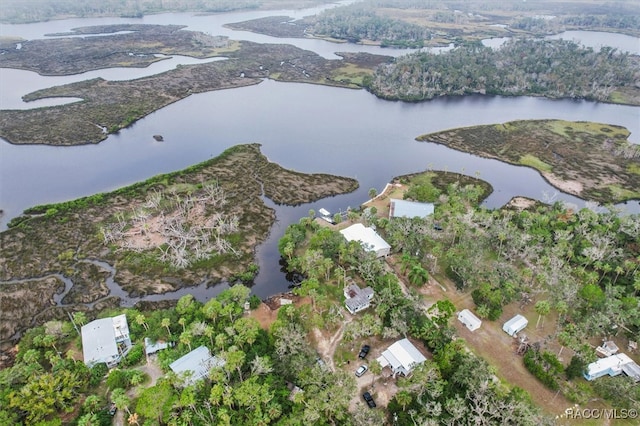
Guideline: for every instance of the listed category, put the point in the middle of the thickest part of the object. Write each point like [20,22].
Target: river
[308,128]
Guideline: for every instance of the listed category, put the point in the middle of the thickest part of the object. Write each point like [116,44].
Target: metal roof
[196,364]
[404,208]
[100,339]
[403,354]
[369,238]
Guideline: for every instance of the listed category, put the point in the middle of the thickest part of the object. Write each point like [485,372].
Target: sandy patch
[568,186]
[520,203]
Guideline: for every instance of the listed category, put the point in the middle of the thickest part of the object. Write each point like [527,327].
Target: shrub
[254,301]
[118,379]
[98,372]
[575,368]
[134,356]
[538,364]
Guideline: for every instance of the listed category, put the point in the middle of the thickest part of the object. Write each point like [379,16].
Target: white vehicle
[361,370]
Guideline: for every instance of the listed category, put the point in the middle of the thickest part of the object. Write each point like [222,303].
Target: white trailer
[471,321]
[515,325]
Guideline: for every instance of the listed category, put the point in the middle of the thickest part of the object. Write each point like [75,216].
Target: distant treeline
[18,11]
[551,68]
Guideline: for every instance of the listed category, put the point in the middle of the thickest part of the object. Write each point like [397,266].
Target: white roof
[404,208]
[100,337]
[470,317]
[613,363]
[403,354]
[515,322]
[369,238]
[198,362]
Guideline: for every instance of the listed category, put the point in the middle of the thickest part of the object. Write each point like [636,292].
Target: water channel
[308,128]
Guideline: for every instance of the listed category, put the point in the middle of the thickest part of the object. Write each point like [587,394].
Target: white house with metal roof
[613,365]
[368,238]
[410,209]
[402,357]
[357,299]
[195,365]
[105,340]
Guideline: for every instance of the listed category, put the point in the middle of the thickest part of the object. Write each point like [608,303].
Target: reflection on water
[307,128]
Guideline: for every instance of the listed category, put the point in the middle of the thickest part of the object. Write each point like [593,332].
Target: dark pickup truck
[364,351]
[369,399]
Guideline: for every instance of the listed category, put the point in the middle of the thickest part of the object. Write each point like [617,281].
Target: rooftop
[404,208]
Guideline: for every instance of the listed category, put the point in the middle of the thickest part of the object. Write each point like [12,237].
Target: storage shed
[515,325]
[471,321]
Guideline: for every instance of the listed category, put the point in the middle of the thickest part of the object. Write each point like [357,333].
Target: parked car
[369,399]
[364,351]
[112,409]
[361,370]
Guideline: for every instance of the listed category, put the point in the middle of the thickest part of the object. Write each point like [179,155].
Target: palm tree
[406,261]
[418,275]
[375,369]
[120,399]
[403,398]
[185,338]
[542,308]
[141,320]
[166,322]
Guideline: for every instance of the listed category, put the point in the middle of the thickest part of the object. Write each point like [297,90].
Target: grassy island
[591,160]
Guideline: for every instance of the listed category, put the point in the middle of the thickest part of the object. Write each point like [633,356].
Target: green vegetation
[592,160]
[545,366]
[359,22]
[550,68]
[536,163]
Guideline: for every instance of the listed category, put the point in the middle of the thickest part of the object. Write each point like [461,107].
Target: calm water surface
[303,127]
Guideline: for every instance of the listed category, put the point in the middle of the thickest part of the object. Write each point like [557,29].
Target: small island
[593,161]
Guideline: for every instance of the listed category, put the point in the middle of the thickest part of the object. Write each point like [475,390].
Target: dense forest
[551,68]
[360,22]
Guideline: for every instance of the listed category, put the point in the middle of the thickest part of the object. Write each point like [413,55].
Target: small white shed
[471,321]
[515,325]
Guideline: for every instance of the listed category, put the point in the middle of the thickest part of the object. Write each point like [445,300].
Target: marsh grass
[595,155]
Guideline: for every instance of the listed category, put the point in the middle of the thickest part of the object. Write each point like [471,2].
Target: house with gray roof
[401,357]
[195,365]
[105,340]
[368,239]
[357,299]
